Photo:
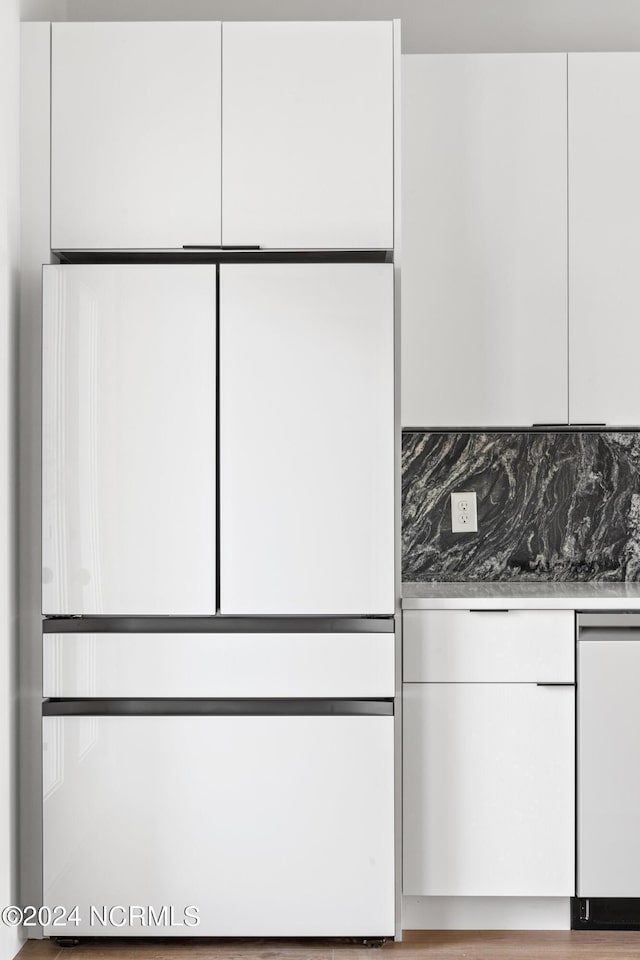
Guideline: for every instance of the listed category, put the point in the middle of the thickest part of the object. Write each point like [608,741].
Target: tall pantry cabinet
[220,465]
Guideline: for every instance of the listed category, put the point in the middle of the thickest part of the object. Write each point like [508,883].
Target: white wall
[9,241]
[428,26]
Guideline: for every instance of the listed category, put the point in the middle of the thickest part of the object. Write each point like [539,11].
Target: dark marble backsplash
[551,506]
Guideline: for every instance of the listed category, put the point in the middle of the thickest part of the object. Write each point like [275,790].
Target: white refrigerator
[218,593]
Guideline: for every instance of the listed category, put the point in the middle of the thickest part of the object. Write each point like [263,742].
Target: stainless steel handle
[101,707]
[218,624]
[618,621]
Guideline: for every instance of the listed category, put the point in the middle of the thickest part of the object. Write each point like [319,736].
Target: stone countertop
[592,595]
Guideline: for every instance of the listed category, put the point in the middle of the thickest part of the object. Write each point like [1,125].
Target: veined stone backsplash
[551,506]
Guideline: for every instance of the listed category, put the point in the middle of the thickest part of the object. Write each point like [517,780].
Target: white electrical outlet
[464,513]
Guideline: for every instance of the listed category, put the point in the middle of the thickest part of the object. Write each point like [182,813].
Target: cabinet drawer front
[218,665]
[517,646]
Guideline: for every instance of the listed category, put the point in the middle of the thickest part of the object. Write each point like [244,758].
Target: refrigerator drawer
[259,825]
[218,664]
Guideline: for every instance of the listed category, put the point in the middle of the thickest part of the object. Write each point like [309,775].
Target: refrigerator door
[307,439]
[267,825]
[129,436]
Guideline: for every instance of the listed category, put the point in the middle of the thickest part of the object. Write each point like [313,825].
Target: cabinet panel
[129,436]
[604,211]
[307,134]
[516,646]
[484,245]
[135,150]
[269,825]
[488,790]
[306,439]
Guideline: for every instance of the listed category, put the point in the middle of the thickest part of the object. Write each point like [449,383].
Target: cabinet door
[135,151]
[306,439]
[129,435]
[484,240]
[307,134]
[488,790]
[267,825]
[604,212]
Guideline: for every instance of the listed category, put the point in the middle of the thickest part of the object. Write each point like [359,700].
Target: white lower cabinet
[269,825]
[489,775]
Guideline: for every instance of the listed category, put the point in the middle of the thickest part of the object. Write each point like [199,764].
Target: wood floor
[448,944]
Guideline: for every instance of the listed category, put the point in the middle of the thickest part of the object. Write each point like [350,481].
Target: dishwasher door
[608,755]
[270,819]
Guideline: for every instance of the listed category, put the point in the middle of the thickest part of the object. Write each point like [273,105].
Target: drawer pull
[221,246]
[552,684]
[492,610]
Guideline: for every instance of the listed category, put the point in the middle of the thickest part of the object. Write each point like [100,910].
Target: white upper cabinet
[281,137]
[306,439]
[484,245]
[307,134]
[128,439]
[135,135]
[604,219]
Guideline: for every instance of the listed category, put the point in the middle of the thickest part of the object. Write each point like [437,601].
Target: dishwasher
[608,772]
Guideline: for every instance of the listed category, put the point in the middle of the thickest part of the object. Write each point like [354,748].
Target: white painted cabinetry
[604,215]
[484,246]
[135,135]
[307,134]
[261,134]
[489,762]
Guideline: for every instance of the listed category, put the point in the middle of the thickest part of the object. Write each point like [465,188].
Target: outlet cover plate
[464,512]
